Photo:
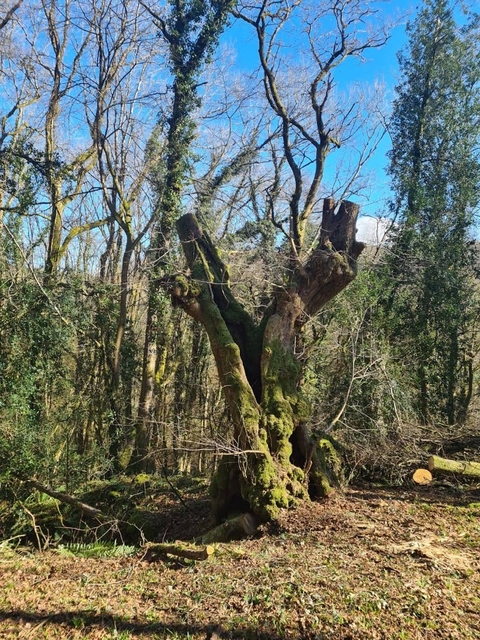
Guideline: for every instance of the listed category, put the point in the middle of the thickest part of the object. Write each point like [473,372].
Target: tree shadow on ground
[170,522]
[448,494]
[88,621]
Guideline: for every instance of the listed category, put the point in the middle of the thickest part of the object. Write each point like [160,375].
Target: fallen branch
[179,550]
[238,527]
[429,549]
[435,463]
[64,497]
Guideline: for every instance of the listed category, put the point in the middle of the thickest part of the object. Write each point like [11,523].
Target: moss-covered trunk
[273,461]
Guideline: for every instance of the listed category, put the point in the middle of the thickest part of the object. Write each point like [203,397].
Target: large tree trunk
[274,462]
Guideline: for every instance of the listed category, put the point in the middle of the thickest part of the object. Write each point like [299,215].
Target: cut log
[238,527]
[154,550]
[436,463]
[422,476]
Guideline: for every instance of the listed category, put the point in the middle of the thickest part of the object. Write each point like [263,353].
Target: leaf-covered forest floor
[369,563]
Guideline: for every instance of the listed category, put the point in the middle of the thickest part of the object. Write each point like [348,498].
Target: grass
[377,563]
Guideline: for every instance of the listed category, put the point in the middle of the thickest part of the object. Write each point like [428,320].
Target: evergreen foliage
[435,170]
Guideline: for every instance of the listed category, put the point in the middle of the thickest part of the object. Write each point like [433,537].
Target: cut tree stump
[422,476]
[435,463]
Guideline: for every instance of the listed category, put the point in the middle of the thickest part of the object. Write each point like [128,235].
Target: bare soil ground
[372,563]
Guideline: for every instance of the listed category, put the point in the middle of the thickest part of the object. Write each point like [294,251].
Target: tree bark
[238,527]
[435,463]
[88,510]
[154,550]
[275,462]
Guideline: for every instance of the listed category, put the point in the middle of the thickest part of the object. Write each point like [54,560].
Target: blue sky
[380,65]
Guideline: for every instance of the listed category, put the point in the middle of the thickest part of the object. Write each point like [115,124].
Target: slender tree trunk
[423,393]
[121,431]
[157,332]
[452,378]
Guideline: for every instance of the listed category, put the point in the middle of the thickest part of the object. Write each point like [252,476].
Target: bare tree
[21,90]
[259,361]
[64,178]
[119,101]
[9,14]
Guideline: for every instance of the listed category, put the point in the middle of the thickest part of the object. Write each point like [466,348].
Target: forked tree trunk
[274,461]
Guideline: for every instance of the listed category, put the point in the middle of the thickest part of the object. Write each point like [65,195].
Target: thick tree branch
[9,14]
[333,265]
[208,271]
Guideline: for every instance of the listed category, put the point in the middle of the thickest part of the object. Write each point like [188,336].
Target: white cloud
[372,230]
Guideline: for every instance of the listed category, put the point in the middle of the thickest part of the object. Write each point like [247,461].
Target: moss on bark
[260,372]
[270,487]
[326,473]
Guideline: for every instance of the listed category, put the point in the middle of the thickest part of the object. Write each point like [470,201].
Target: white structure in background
[372,230]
